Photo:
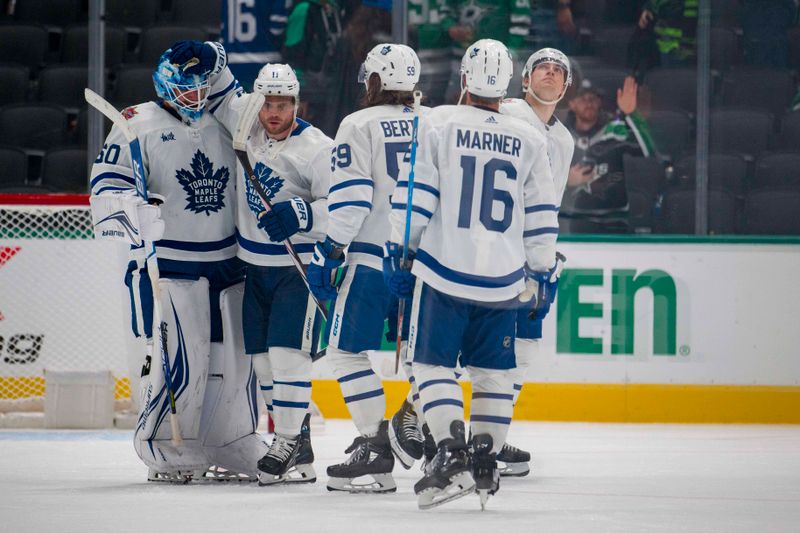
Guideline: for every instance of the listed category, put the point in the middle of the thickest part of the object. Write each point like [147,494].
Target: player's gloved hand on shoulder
[399,280]
[541,287]
[328,256]
[210,56]
[286,218]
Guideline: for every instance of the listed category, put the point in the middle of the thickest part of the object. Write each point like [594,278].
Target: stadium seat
[133,15]
[608,80]
[725,51]
[777,170]
[64,85]
[768,89]
[671,131]
[725,13]
[49,12]
[772,212]
[640,211]
[789,137]
[743,131]
[82,128]
[75,48]
[14,83]
[133,85]
[206,15]
[24,44]
[678,210]
[155,40]
[645,174]
[673,88]
[13,167]
[725,171]
[32,127]
[611,44]
[66,170]
[794,48]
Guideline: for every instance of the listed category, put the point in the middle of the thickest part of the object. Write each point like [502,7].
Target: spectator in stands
[595,200]
[252,35]
[765,24]
[675,25]
[554,25]
[314,30]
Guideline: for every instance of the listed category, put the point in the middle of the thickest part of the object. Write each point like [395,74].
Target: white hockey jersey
[371,155]
[191,166]
[297,166]
[483,203]
[560,143]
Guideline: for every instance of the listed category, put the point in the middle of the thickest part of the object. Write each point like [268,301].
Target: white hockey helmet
[277,79]
[397,66]
[486,69]
[548,55]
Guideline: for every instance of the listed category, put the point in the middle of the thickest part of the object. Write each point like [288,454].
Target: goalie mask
[397,66]
[486,69]
[184,86]
[547,55]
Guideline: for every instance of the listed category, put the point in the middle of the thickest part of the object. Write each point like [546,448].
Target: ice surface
[586,477]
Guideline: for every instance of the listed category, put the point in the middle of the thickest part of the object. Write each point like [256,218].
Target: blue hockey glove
[286,218]
[399,280]
[211,58]
[328,256]
[542,287]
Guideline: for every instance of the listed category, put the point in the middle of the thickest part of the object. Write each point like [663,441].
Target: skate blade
[460,485]
[372,483]
[297,474]
[218,474]
[175,478]
[513,469]
[406,459]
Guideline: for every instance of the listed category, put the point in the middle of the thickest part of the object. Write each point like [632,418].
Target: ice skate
[450,476]
[484,468]
[513,462]
[428,448]
[289,460]
[369,467]
[405,435]
[177,478]
[219,474]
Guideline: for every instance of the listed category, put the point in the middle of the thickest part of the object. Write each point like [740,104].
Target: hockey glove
[328,256]
[210,56]
[398,277]
[543,286]
[126,218]
[286,218]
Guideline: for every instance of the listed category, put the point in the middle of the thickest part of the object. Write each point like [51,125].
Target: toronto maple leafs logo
[385,50]
[205,188]
[272,183]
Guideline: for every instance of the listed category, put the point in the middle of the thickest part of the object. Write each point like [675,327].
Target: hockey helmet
[397,66]
[486,69]
[185,86]
[548,55]
[277,79]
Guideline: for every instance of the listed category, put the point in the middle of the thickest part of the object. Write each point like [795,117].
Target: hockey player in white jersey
[545,79]
[189,164]
[477,233]
[291,159]
[371,155]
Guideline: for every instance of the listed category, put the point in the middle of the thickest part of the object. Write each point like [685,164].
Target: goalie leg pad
[361,387]
[185,307]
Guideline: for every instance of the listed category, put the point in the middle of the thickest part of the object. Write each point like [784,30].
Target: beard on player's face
[277,115]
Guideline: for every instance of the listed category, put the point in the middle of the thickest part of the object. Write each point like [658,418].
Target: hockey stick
[246,120]
[401,305]
[99,103]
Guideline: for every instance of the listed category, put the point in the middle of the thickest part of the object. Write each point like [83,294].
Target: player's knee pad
[231,407]
[346,363]
[289,364]
[185,311]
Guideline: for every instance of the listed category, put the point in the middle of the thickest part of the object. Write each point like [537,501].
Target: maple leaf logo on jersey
[272,183]
[205,188]
[129,112]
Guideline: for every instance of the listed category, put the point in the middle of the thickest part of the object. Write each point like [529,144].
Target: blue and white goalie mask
[185,86]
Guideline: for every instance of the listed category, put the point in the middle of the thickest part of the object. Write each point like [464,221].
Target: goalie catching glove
[398,277]
[126,218]
[541,287]
[286,218]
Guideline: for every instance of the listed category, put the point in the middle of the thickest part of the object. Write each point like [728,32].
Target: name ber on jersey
[484,140]
[397,128]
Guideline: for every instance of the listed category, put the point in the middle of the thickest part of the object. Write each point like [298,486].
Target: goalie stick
[401,305]
[99,103]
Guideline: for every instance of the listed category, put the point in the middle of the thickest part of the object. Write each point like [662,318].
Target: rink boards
[644,329]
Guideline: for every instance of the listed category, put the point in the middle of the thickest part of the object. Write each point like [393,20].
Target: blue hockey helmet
[185,86]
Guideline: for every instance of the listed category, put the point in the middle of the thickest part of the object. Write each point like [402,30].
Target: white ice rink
[587,477]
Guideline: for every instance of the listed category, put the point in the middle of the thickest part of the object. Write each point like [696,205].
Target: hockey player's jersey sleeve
[112,171]
[541,212]
[425,189]
[351,190]
[223,99]
[319,175]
